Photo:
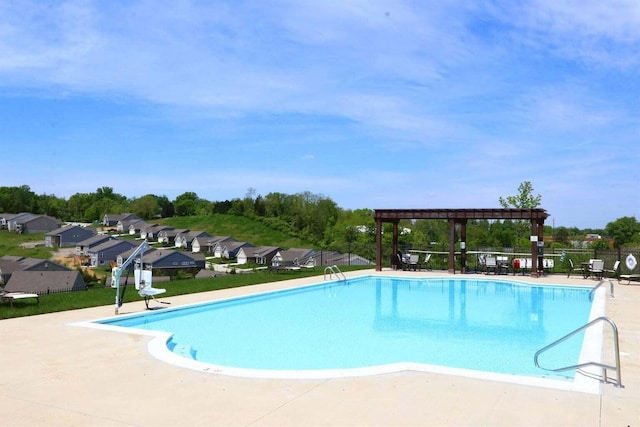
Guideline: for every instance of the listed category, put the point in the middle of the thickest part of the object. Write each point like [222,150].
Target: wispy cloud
[375,103]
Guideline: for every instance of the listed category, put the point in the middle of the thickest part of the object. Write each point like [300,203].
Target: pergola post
[394,243]
[541,247]
[463,246]
[534,248]
[452,246]
[378,245]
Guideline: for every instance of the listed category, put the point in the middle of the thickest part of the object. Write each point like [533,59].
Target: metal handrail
[593,290]
[618,381]
[333,269]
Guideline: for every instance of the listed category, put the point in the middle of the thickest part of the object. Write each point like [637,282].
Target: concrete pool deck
[53,373]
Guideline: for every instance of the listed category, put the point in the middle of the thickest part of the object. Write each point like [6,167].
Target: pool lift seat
[143,280]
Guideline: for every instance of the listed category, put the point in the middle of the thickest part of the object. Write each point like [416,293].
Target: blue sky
[375,104]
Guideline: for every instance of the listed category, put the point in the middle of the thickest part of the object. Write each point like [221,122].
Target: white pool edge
[591,351]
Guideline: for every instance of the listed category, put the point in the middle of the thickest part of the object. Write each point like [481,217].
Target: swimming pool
[375,324]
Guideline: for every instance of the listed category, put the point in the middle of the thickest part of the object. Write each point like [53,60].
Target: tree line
[311,217]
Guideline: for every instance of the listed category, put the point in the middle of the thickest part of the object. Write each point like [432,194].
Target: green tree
[78,204]
[18,199]
[623,230]
[166,207]
[185,204]
[52,206]
[146,207]
[561,234]
[523,200]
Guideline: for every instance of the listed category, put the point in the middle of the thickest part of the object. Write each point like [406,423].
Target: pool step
[184,350]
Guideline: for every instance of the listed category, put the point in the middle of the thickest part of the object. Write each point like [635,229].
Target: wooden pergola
[460,217]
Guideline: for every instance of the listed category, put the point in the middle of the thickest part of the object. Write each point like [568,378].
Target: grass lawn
[94,297]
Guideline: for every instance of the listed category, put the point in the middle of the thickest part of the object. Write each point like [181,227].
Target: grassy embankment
[242,229]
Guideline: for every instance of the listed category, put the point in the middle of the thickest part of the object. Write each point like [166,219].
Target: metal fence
[439,259]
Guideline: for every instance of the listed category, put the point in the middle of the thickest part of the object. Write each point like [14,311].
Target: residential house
[10,221]
[108,251]
[168,259]
[229,249]
[185,240]
[261,255]
[111,220]
[68,235]
[82,248]
[151,232]
[209,244]
[45,282]
[294,257]
[11,263]
[6,217]
[26,223]
[168,237]
[131,226]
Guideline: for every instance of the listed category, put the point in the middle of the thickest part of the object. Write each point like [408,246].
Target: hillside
[240,228]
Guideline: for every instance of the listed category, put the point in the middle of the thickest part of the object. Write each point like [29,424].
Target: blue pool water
[482,325]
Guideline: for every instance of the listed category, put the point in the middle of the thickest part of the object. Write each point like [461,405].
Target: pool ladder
[333,269]
[600,283]
[603,377]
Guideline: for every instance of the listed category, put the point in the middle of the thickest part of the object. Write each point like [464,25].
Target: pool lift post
[142,277]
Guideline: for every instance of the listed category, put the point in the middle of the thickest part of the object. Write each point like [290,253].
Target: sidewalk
[53,374]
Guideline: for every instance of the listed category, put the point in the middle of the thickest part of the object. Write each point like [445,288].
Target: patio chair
[597,268]
[491,263]
[427,259]
[614,271]
[482,263]
[573,268]
[413,261]
[502,264]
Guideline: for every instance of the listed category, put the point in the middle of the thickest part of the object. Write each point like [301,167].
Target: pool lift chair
[143,278]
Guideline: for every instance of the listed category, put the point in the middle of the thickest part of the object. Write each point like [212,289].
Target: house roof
[9,263]
[172,232]
[263,251]
[196,233]
[138,223]
[158,257]
[94,240]
[297,253]
[119,217]
[7,266]
[234,245]
[214,240]
[42,282]
[10,216]
[157,227]
[109,244]
[21,217]
[39,264]
[70,229]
